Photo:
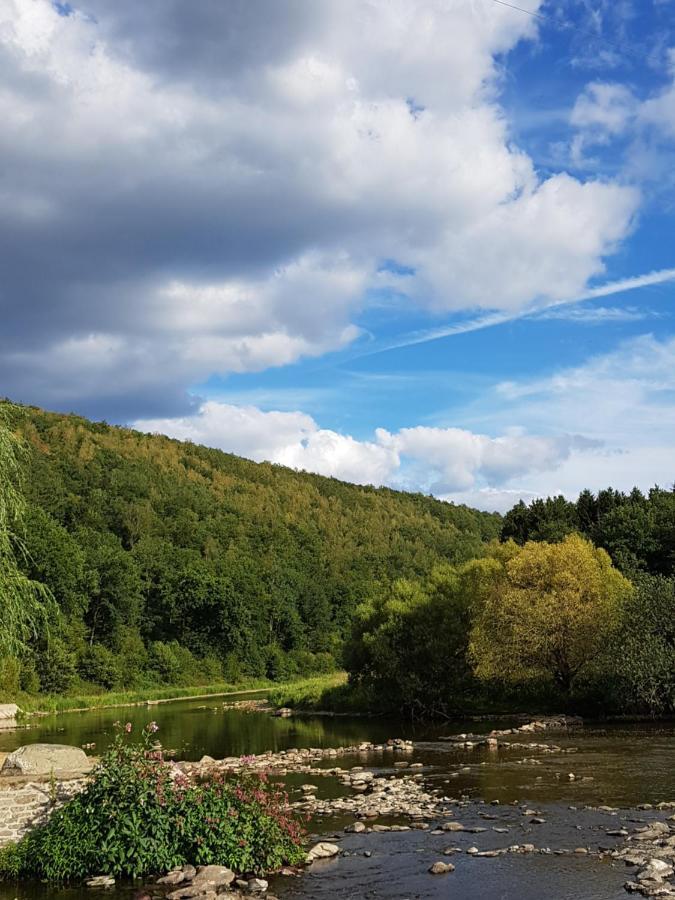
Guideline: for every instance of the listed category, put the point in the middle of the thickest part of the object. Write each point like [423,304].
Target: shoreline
[152,697]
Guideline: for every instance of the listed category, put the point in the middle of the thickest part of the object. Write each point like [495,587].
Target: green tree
[26,607]
[550,616]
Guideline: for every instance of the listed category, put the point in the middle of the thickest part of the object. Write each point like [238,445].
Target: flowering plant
[140,815]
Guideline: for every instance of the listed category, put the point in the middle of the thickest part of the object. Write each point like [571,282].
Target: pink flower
[153,727]
[128,728]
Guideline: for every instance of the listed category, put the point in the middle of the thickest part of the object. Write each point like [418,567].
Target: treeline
[574,606]
[637,530]
[175,563]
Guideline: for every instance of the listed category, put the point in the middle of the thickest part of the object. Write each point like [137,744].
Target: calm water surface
[617,765]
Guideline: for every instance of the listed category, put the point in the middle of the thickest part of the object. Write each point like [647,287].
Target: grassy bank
[32,704]
[322,692]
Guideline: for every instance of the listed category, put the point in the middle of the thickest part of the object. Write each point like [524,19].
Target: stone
[355,828]
[45,759]
[322,850]
[284,712]
[9,711]
[172,878]
[100,881]
[452,826]
[441,868]
[257,885]
[218,876]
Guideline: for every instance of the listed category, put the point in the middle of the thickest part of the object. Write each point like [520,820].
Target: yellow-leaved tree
[550,615]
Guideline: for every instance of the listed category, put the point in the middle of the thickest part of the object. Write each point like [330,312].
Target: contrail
[491,319]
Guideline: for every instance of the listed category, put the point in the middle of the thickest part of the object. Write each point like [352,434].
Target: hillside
[175,561]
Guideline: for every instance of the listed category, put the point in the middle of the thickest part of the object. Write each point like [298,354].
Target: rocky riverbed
[509,812]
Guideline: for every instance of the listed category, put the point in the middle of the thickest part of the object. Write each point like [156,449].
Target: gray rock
[322,850]
[257,885]
[43,759]
[218,876]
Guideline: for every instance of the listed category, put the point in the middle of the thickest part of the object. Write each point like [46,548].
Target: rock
[441,868]
[355,828]
[452,826]
[9,711]
[257,885]
[284,712]
[216,876]
[322,850]
[177,876]
[100,881]
[45,759]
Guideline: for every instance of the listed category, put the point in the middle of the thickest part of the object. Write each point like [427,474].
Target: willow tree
[25,605]
[551,615]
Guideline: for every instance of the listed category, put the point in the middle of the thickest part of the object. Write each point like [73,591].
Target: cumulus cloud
[444,461]
[609,421]
[190,190]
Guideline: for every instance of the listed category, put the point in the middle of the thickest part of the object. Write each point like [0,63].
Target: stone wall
[23,805]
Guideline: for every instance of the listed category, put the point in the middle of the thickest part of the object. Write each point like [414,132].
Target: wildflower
[153,728]
[128,727]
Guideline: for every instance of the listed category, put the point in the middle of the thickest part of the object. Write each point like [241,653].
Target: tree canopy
[195,562]
[24,604]
[551,613]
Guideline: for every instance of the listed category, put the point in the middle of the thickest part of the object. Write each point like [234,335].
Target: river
[620,766]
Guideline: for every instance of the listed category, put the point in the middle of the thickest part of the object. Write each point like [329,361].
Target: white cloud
[215,192]
[289,438]
[610,421]
[440,460]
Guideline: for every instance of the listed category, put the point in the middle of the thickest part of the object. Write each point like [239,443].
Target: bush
[100,665]
[10,674]
[56,667]
[137,817]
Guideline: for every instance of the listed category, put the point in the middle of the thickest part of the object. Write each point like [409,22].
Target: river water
[620,766]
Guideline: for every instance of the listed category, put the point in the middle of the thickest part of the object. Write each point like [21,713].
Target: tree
[25,605]
[550,616]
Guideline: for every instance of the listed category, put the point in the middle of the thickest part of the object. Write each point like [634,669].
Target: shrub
[56,667]
[139,815]
[100,665]
[10,673]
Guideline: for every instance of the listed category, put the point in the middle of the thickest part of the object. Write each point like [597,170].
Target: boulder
[45,759]
[322,850]
[9,711]
[213,876]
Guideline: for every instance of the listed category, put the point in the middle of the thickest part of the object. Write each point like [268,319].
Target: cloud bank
[191,190]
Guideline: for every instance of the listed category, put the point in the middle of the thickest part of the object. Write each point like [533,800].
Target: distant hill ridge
[154,547]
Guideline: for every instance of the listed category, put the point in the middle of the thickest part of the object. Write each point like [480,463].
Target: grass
[310,693]
[45,703]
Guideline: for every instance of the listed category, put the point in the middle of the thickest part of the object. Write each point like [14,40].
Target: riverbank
[42,704]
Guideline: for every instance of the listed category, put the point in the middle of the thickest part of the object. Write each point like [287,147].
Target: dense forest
[575,607]
[175,563]
[130,560]
[637,530]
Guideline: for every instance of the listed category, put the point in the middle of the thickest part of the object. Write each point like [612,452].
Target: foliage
[637,530]
[644,652]
[25,605]
[137,816]
[550,614]
[409,643]
[307,694]
[204,565]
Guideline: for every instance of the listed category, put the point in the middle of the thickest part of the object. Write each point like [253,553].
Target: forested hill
[153,548]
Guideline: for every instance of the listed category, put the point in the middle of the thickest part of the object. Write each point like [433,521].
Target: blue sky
[426,244]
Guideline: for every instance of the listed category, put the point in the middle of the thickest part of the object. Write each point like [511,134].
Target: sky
[421,243]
